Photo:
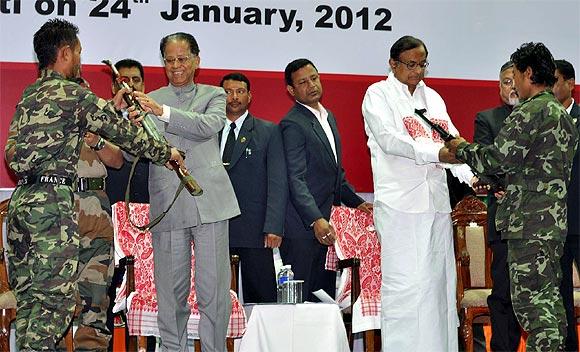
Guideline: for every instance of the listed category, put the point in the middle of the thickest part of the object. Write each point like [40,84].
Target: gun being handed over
[494,182]
[186,179]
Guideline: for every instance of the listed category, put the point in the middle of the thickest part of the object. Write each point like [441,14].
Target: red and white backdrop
[348,40]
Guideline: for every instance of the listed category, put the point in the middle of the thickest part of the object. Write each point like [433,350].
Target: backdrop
[348,41]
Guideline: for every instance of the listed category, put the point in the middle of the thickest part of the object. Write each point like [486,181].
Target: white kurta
[412,217]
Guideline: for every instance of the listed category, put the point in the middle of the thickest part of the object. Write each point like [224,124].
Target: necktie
[230,141]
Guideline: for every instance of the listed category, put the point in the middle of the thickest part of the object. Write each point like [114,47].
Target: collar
[188,88]
[319,114]
[539,94]
[403,87]
[240,120]
[50,73]
[569,108]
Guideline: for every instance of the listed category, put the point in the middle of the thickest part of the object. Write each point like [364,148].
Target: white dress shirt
[322,116]
[407,174]
[239,122]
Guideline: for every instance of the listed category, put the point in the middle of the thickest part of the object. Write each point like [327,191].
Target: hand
[135,116]
[148,104]
[91,139]
[272,240]
[452,144]
[366,207]
[324,232]
[118,100]
[499,194]
[445,156]
[175,155]
[479,186]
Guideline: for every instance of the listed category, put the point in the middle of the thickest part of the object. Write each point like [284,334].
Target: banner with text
[467,39]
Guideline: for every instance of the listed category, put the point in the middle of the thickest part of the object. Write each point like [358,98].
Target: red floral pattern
[417,130]
[357,238]
[142,315]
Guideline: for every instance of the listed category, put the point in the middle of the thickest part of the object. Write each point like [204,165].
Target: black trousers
[307,258]
[571,254]
[258,276]
[505,328]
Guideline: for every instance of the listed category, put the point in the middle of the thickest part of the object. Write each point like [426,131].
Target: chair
[140,287]
[7,299]
[357,250]
[473,263]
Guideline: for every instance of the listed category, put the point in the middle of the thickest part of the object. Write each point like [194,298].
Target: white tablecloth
[304,327]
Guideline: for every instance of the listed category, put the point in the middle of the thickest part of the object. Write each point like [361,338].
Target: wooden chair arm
[234,266]
[354,264]
[129,263]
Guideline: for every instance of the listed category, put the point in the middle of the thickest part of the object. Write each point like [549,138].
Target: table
[294,328]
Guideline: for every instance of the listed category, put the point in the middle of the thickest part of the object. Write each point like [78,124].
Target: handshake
[447,152]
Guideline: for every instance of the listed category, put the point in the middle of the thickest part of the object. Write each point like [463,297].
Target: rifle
[494,182]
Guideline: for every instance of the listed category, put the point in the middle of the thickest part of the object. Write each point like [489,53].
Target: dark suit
[316,181]
[572,245]
[504,325]
[257,171]
[117,180]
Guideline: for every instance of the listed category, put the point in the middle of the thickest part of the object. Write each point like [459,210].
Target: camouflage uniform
[46,134]
[96,264]
[535,149]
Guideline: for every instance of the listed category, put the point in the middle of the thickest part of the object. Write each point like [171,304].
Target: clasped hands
[136,117]
[447,152]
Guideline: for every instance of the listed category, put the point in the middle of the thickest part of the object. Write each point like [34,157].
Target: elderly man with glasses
[412,210]
[190,115]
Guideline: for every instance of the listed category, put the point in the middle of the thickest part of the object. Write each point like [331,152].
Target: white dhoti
[418,281]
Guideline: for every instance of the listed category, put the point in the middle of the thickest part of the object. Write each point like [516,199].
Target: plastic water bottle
[281,279]
[290,273]
[287,287]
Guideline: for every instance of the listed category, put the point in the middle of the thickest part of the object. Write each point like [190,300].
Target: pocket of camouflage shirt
[543,215]
[509,216]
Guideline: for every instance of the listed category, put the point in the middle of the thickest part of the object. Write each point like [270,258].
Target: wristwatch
[100,144]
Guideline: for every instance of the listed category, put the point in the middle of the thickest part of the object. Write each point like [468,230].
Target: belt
[52,179]
[90,184]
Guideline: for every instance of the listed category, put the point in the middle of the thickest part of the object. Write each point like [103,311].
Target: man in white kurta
[412,211]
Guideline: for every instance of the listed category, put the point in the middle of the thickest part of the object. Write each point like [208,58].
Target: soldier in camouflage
[96,264]
[535,149]
[49,124]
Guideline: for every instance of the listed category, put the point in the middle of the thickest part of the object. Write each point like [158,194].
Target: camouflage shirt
[51,119]
[535,149]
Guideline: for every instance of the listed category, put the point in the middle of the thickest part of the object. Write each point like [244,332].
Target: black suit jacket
[116,182]
[315,179]
[573,188]
[487,126]
[257,171]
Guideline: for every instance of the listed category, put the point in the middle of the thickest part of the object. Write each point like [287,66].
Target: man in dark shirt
[565,81]
[131,71]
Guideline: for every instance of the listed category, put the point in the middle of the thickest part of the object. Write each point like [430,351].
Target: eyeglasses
[507,82]
[413,65]
[180,60]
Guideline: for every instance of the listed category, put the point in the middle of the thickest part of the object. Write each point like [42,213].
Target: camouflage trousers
[535,276]
[43,257]
[95,271]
